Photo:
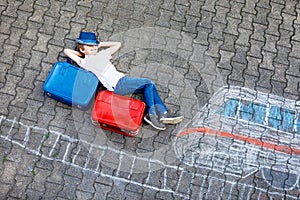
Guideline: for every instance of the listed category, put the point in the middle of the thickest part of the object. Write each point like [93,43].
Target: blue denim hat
[88,38]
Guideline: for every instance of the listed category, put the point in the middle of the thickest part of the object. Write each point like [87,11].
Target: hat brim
[87,42]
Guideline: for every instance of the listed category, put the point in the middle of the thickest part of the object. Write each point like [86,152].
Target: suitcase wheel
[95,123]
[123,130]
[134,132]
[48,94]
[130,132]
[79,106]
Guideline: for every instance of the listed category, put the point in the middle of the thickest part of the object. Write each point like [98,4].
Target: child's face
[89,49]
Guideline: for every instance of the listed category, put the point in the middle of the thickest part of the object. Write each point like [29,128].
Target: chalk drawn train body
[241,131]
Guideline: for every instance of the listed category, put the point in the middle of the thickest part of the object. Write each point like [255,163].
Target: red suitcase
[118,113]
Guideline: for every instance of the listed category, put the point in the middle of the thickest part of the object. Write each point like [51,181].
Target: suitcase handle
[122,101]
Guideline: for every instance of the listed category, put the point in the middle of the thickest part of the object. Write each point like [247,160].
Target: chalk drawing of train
[241,131]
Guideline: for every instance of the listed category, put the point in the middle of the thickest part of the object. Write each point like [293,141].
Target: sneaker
[169,118]
[152,120]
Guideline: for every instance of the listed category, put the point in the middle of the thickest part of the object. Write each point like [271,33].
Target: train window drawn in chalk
[274,117]
[281,119]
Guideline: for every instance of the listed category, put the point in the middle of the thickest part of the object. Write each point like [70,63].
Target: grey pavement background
[190,48]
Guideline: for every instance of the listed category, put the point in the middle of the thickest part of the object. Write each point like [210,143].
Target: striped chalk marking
[206,185]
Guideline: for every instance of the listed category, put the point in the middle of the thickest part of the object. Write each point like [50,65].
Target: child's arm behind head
[74,55]
[112,46]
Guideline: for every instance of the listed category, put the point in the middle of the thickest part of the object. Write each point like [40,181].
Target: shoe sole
[175,120]
[149,122]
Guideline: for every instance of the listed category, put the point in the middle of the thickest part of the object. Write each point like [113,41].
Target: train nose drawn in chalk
[241,131]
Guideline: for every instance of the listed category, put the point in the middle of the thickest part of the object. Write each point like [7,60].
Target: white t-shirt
[101,66]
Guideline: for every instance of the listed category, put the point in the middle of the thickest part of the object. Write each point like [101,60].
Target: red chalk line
[268,145]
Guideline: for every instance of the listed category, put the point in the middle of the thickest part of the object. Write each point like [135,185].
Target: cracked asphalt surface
[190,49]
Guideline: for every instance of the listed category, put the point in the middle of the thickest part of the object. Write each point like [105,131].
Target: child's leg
[130,85]
[159,105]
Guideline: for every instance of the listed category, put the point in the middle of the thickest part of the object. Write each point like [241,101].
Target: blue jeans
[130,85]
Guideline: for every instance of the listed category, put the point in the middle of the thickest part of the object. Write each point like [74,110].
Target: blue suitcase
[71,85]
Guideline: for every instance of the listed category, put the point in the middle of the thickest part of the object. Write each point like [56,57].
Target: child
[87,44]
